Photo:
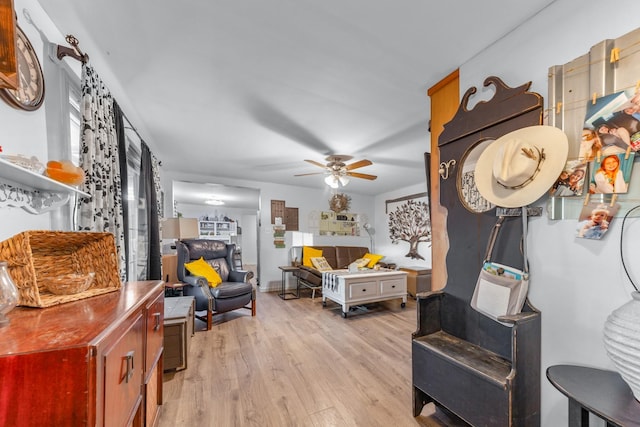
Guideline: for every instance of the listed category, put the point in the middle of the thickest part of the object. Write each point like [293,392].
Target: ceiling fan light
[331,181]
[343,180]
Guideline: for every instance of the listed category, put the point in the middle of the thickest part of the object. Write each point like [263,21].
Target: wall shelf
[339,224]
[35,193]
[217,230]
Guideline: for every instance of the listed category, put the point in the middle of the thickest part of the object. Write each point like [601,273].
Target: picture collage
[610,140]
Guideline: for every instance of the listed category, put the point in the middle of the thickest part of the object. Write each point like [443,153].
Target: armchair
[234,292]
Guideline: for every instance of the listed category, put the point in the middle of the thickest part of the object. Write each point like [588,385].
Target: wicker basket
[36,258]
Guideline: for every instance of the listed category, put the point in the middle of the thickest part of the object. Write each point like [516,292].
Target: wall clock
[30,92]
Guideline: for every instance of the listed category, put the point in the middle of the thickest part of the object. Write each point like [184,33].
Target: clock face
[30,92]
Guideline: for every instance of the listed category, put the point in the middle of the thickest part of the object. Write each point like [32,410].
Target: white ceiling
[248,89]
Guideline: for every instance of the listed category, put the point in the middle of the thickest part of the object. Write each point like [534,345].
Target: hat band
[541,157]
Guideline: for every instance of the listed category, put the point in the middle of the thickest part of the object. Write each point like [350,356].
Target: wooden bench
[493,384]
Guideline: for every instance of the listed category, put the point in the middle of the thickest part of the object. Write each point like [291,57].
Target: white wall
[249,239]
[575,283]
[25,132]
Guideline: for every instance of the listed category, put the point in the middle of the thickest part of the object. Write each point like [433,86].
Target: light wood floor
[299,364]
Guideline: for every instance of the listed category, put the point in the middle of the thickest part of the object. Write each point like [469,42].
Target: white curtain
[100,161]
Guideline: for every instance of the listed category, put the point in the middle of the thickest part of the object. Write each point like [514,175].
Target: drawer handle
[129,373]
[157,318]
[393,286]
[364,290]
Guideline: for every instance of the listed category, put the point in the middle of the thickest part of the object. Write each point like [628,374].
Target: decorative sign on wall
[278,236]
[409,221]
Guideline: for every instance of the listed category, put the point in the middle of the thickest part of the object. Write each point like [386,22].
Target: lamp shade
[180,228]
[331,181]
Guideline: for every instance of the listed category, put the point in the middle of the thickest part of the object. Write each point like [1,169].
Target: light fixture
[370,231]
[215,202]
[336,179]
[332,181]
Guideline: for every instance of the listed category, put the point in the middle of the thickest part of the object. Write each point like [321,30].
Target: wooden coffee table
[349,289]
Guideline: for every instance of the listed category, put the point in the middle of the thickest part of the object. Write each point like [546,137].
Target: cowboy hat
[519,167]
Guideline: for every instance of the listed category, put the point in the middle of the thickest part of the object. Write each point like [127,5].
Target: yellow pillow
[200,267]
[307,253]
[373,259]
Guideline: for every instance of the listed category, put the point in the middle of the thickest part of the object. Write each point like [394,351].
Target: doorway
[222,204]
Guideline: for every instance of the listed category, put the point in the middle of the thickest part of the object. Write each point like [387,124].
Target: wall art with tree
[410,222]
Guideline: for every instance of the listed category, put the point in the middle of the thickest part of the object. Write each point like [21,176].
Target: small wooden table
[284,294]
[603,393]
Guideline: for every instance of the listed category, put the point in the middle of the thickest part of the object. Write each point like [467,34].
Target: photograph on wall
[612,125]
[595,219]
[571,180]
[611,174]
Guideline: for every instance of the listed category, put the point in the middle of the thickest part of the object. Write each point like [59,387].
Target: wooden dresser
[93,362]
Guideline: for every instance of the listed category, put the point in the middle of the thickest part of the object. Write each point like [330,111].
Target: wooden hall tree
[486,372]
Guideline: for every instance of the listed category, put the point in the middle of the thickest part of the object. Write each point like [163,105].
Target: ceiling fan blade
[362,175]
[313,173]
[313,162]
[358,164]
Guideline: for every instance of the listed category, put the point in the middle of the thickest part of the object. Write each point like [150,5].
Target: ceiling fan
[338,172]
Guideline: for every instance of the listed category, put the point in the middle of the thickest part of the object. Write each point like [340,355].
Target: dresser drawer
[123,371]
[155,333]
[362,290]
[393,287]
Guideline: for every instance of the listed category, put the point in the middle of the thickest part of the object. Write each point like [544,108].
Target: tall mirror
[468,193]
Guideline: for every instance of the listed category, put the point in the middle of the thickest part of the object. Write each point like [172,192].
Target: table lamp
[179,228]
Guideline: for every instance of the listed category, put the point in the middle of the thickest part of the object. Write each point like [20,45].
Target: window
[63,127]
[74,124]
[138,247]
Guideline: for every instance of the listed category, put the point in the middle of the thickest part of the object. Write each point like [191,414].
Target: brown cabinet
[153,364]
[94,362]
[178,329]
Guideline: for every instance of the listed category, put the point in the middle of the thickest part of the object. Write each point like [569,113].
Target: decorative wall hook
[444,168]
